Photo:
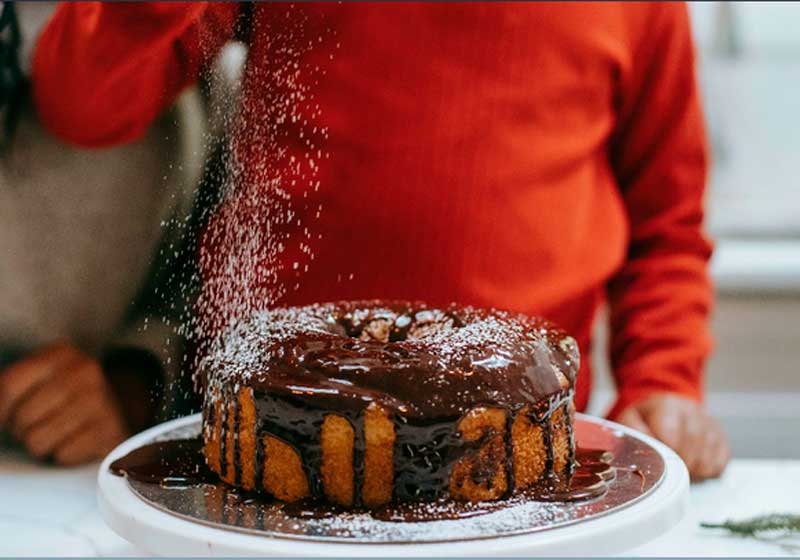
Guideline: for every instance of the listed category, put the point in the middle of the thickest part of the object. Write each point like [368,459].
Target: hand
[57,402]
[683,425]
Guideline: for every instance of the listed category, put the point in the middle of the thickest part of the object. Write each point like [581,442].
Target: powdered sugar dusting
[490,519]
[492,356]
[245,344]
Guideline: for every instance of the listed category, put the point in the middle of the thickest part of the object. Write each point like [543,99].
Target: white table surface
[49,511]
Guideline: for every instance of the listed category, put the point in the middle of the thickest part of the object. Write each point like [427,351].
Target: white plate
[161,533]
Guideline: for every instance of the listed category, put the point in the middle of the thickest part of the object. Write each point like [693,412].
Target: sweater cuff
[161,342]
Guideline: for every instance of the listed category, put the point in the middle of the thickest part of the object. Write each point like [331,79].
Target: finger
[703,465]
[18,379]
[81,376]
[79,449]
[666,423]
[718,454]
[94,441]
[696,439]
[87,445]
[630,417]
[42,439]
[44,402]
[47,399]
[710,465]
[722,457]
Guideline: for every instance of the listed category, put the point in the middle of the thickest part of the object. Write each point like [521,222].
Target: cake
[370,402]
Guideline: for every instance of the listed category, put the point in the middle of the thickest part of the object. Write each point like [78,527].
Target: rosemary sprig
[771,523]
[773,528]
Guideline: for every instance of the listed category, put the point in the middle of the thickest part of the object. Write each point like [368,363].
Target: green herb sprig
[773,528]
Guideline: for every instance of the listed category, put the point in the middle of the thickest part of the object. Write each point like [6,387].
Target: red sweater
[542,158]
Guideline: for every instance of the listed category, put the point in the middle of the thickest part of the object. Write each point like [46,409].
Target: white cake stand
[161,533]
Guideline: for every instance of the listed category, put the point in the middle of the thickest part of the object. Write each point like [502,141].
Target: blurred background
[749,65]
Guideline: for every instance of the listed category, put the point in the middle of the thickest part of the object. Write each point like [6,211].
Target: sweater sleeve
[661,297]
[102,72]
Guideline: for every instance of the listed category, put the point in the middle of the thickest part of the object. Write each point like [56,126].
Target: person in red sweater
[545,158]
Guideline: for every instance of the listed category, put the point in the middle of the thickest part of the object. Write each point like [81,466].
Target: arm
[102,72]
[660,299]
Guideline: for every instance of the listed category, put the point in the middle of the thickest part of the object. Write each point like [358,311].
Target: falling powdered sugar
[249,239]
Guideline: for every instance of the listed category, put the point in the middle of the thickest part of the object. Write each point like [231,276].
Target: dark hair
[12,83]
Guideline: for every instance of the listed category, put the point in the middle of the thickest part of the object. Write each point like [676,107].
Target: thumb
[631,418]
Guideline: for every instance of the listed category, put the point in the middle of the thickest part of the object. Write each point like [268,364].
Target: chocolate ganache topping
[419,362]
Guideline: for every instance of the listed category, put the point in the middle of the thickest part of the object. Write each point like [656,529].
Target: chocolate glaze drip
[571,439]
[424,458]
[426,367]
[259,464]
[359,447]
[298,425]
[237,462]
[509,451]
[547,437]
[223,442]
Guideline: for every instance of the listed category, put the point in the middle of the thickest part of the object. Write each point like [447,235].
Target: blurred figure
[85,355]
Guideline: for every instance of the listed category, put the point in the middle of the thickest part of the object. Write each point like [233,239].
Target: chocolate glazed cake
[365,403]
